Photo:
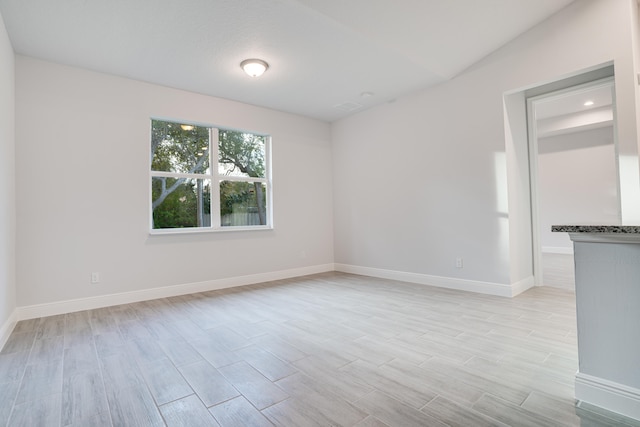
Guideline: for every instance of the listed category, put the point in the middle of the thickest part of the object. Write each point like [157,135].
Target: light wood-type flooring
[558,271]
[324,350]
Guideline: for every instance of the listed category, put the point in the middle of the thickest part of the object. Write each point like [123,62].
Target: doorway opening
[573,171]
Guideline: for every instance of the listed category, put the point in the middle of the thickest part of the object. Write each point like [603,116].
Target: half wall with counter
[607,267]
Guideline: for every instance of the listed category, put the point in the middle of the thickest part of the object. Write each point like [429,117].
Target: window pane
[243,203]
[179,148]
[241,154]
[181,203]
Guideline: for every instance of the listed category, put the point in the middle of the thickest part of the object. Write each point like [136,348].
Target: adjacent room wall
[83,191]
[577,184]
[422,181]
[7,187]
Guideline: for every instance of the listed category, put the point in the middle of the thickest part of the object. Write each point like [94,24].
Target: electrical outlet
[95,277]
[459,262]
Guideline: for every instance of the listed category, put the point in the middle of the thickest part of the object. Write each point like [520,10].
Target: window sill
[170,231]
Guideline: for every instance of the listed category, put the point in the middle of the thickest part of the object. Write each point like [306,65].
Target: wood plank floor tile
[19,342]
[76,322]
[74,338]
[237,412]
[591,416]
[279,348]
[562,410]
[530,376]
[46,349]
[226,338]
[438,382]
[83,396]
[40,412]
[8,393]
[41,380]
[80,358]
[256,388]
[266,363]
[413,393]
[458,416]
[289,413]
[133,406]
[326,349]
[213,353]
[12,366]
[371,422]
[395,413]
[30,325]
[145,350]
[52,326]
[164,381]
[120,371]
[208,383]
[345,384]
[100,420]
[102,321]
[511,414]
[179,351]
[109,344]
[313,395]
[511,391]
[187,412]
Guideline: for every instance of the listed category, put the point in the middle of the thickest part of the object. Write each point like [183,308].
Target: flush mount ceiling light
[588,104]
[254,67]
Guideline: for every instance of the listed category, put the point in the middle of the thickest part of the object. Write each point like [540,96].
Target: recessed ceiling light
[254,67]
[588,104]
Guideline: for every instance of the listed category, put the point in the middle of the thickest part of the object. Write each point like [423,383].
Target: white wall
[7,186]
[423,180]
[83,193]
[577,183]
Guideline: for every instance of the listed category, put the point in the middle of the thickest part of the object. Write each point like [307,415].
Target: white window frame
[215,178]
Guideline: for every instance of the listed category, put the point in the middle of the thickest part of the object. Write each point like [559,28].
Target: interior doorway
[574,171]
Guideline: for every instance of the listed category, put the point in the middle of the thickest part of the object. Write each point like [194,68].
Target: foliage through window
[208,178]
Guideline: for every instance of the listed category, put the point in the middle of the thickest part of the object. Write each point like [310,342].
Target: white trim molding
[608,395]
[605,237]
[70,306]
[498,289]
[7,328]
[557,250]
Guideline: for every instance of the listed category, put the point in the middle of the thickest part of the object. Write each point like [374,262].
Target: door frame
[532,136]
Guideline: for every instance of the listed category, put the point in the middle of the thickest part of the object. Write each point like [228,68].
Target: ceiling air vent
[348,106]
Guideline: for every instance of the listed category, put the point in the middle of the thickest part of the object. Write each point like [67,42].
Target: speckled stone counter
[607,265]
[613,229]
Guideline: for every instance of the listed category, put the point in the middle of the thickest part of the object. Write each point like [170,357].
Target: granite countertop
[617,229]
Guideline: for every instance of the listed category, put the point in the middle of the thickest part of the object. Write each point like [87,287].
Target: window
[208,178]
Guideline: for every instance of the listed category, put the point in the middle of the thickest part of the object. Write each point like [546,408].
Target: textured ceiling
[323,54]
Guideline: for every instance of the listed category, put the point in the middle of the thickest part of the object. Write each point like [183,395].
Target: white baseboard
[525,284]
[608,395]
[489,288]
[7,328]
[557,250]
[70,306]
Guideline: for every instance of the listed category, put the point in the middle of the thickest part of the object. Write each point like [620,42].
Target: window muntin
[189,195]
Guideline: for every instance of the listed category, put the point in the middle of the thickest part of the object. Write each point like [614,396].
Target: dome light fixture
[254,67]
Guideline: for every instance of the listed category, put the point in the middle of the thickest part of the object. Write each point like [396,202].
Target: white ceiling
[567,113]
[323,54]
[573,102]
